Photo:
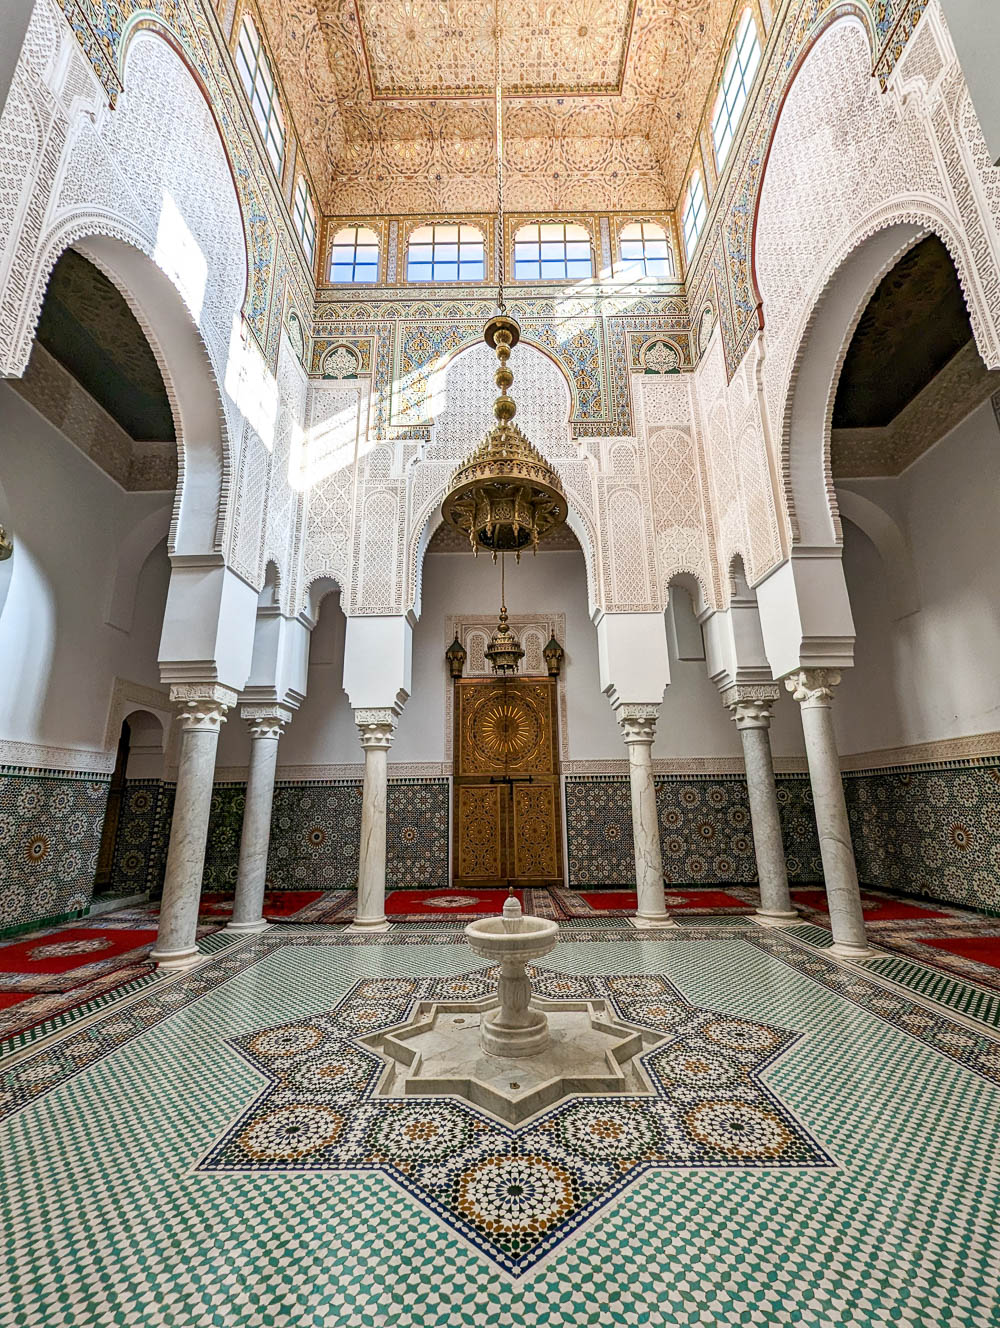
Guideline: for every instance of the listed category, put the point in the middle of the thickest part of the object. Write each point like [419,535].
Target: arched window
[304,213]
[262,91]
[552,251]
[737,75]
[694,213]
[451,251]
[354,255]
[644,250]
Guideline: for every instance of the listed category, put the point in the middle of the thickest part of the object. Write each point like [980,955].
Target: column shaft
[639,726]
[812,688]
[376,727]
[266,724]
[769,850]
[203,710]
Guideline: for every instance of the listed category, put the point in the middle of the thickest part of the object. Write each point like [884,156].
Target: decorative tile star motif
[514,1193]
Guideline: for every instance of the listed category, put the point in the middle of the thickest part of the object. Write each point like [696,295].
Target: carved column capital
[638,722]
[202,706]
[751,703]
[266,721]
[377,727]
[813,687]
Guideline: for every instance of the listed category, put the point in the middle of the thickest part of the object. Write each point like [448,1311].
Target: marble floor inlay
[515,1193]
[129,1192]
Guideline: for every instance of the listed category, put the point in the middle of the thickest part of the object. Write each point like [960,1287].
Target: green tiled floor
[107,1221]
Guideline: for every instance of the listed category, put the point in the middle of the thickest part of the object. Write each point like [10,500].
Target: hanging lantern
[553,655]
[505,496]
[456,656]
[504,651]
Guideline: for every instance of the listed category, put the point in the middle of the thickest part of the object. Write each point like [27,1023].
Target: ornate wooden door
[506,813]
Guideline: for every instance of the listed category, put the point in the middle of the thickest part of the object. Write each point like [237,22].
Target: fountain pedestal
[517,1028]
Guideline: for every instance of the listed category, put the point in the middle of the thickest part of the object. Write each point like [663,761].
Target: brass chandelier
[505,495]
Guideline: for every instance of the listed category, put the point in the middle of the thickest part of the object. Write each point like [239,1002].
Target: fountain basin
[515,1028]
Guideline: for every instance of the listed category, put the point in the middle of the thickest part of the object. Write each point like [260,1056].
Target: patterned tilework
[932,831]
[705,832]
[50,833]
[417,833]
[950,992]
[515,1194]
[898,1232]
[141,841]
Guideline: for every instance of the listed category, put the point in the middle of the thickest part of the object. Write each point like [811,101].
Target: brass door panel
[506,805]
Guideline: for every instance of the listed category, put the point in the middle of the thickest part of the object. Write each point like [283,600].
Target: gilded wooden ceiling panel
[391,99]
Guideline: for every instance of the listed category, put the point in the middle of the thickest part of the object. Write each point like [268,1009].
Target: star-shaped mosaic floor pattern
[515,1193]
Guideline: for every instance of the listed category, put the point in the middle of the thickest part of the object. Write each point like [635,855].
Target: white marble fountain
[513,1054]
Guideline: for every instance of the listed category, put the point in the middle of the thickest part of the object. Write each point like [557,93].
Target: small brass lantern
[553,655]
[456,656]
[504,651]
[505,496]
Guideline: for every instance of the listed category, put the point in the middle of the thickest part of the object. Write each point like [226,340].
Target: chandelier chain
[498,97]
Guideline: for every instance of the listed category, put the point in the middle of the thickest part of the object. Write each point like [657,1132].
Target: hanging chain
[498,97]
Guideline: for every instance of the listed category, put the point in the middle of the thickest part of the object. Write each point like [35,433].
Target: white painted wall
[58,658]
[934,674]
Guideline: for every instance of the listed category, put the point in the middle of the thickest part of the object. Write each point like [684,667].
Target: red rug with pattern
[447,903]
[980,949]
[580,903]
[876,908]
[279,905]
[56,960]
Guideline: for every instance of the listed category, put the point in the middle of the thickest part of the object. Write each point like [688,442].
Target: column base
[172,960]
[649,923]
[369,924]
[847,950]
[247,928]
[767,919]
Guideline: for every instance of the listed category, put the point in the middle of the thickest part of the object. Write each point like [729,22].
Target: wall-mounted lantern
[554,655]
[455,655]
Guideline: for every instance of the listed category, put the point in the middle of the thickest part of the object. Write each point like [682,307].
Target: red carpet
[9,998]
[286,903]
[876,908]
[26,964]
[446,903]
[982,949]
[695,901]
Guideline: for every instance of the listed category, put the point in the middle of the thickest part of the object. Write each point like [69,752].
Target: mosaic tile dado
[896,1231]
[50,833]
[705,831]
[932,831]
[142,837]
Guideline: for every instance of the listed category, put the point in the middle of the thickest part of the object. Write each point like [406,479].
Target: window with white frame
[304,214]
[446,251]
[552,251]
[737,76]
[258,81]
[354,255]
[693,217]
[644,250]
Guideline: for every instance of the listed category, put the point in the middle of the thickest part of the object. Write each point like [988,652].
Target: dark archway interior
[913,325]
[87,326]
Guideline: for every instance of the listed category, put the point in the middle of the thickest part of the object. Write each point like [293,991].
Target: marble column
[376,728]
[202,709]
[267,723]
[638,723]
[750,704]
[813,689]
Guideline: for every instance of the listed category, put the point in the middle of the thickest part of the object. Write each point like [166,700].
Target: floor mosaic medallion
[515,1193]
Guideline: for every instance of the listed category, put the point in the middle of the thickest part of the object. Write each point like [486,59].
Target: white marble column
[267,723]
[202,709]
[813,689]
[750,704]
[638,723]
[376,727]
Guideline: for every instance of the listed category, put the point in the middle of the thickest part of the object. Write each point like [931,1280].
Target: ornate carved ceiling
[391,99]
